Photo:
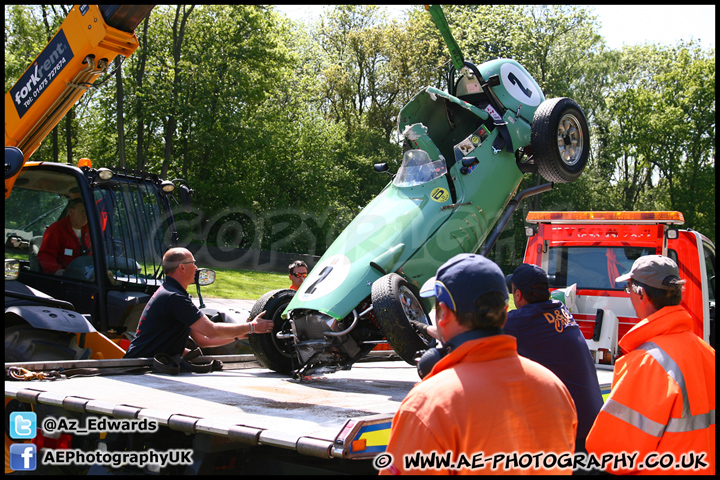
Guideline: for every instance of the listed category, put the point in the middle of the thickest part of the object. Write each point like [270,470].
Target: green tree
[662,131]
[277,124]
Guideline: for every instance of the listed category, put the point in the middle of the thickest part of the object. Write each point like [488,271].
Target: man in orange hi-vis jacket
[660,415]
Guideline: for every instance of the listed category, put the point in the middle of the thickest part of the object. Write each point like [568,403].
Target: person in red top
[487,408]
[298,272]
[65,240]
[662,403]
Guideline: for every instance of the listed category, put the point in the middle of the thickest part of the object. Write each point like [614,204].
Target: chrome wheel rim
[411,306]
[570,139]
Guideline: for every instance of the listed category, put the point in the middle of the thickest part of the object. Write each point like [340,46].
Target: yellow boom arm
[80,51]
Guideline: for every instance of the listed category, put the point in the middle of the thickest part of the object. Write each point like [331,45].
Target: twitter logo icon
[23,425]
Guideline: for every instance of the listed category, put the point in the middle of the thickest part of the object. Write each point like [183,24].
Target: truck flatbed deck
[253,406]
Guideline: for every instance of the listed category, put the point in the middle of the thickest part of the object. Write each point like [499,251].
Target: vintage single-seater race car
[465,154]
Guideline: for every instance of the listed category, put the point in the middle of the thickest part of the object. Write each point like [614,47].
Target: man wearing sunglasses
[662,403]
[298,272]
[170,315]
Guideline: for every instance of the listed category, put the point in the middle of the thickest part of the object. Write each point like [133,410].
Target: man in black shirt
[170,315]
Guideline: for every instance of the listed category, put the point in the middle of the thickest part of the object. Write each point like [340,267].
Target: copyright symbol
[383,460]
[49,424]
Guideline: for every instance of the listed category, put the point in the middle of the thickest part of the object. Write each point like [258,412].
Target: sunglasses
[299,275]
[629,288]
[185,263]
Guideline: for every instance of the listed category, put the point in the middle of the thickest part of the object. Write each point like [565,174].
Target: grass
[242,284]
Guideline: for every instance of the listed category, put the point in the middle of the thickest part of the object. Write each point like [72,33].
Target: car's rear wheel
[394,305]
[272,352]
[560,140]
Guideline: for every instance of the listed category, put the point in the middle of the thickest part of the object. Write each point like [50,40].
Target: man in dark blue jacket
[547,333]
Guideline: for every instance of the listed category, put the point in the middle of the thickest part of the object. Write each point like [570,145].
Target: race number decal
[520,85]
[440,195]
[325,277]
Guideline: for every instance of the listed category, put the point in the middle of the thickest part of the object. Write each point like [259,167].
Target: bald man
[170,315]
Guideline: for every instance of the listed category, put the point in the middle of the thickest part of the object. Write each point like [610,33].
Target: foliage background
[276,125]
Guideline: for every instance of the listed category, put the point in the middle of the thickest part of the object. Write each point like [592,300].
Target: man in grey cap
[663,394]
[480,398]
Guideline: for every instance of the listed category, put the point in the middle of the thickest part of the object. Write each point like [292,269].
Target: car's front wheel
[272,352]
[395,305]
[560,140]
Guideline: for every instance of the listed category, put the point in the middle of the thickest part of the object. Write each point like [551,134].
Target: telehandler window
[132,221]
[40,198]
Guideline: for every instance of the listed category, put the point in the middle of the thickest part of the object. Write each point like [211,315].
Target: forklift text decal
[41,73]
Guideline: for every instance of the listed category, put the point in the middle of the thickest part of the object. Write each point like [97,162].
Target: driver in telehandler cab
[65,240]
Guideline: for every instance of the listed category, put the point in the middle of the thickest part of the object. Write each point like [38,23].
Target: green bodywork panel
[412,230]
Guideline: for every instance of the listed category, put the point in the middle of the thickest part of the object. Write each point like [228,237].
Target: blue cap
[530,278]
[462,279]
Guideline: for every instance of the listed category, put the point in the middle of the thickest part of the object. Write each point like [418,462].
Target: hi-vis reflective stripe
[636,419]
[687,423]
[651,427]
[695,422]
[671,368]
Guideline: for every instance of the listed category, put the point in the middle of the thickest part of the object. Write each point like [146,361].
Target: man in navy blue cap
[480,400]
[547,333]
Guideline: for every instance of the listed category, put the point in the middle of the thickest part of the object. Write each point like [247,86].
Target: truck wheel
[560,140]
[24,343]
[272,352]
[395,304]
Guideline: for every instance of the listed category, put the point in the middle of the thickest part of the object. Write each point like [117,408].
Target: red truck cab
[591,249]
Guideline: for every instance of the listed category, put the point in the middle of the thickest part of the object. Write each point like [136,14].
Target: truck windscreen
[593,267]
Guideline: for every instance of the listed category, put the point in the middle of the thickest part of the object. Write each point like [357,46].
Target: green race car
[465,153]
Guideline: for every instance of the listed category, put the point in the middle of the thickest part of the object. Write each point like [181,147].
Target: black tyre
[272,352]
[23,343]
[395,304]
[560,140]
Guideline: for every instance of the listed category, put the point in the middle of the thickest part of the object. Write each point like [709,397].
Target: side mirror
[12,269]
[381,167]
[185,198]
[204,277]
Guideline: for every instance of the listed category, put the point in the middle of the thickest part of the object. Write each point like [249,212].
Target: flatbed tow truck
[342,416]
[248,419]
[245,418]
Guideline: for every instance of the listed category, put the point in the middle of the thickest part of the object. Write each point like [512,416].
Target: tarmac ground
[240,307]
